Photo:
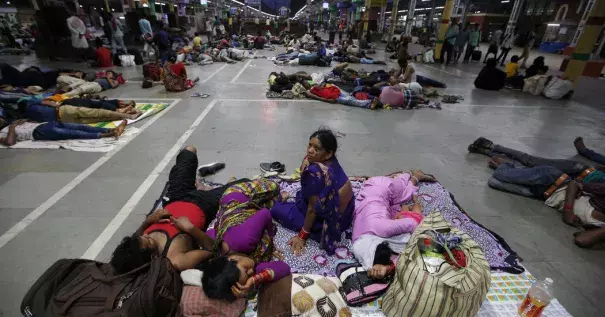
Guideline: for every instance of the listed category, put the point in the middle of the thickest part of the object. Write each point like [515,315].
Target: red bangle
[392,268]
[568,207]
[303,234]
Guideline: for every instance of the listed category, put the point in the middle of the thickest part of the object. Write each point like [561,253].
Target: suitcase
[476,56]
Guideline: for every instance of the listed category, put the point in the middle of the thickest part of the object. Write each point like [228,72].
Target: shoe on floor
[273,167]
[210,169]
[483,143]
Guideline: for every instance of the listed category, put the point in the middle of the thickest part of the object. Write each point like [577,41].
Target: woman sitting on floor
[243,241]
[24,130]
[175,76]
[381,226]
[324,205]
[490,77]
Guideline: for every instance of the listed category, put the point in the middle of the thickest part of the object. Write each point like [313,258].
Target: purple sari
[323,180]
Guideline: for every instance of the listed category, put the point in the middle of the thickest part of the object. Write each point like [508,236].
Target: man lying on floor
[381,226]
[24,130]
[177,230]
[77,87]
[575,169]
[556,189]
[50,111]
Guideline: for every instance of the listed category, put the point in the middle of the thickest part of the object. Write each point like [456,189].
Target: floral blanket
[433,196]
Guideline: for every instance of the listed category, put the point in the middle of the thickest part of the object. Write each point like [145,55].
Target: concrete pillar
[582,23]
[431,17]
[445,21]
[171,4]
[107,6]
[393,18]
[514,17]
[383,18]
[35,4]
[586,42]
[467,3]
[410,20]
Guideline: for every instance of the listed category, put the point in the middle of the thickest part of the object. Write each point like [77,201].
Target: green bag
[416,292]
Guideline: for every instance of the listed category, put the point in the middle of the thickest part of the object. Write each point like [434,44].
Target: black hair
[327,139]
[539,61]
[129,255]
[383,254]
[491,63]
[98,42]
[514,58]
[172,58]
[196,34]
[219,275]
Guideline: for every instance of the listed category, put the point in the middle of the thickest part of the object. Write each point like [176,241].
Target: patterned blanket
[148,109]
[433,196]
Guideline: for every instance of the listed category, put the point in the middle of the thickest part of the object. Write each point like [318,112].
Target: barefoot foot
[121,128]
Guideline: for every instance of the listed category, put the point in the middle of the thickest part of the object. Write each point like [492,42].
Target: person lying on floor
[551,185]
[352,58]
[243,242]
[381,225]
[397,96]
[78,87]
[575,169]
[332,94]
[31,76]
[588,153]
[175,76]
[280,82]
[407,74]
[46,111]
[490,77]
[323,207]
[25,130]
[176,231]
[107,104]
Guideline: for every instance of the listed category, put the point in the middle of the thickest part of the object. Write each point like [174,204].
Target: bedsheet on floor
[505,294]
[433,196]
[148,109]
[93,145]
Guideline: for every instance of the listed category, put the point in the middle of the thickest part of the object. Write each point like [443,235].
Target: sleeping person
[243,242]
[381,226]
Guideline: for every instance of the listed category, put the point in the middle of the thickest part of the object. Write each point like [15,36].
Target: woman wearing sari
[243,242]
[324,206]
[175,76]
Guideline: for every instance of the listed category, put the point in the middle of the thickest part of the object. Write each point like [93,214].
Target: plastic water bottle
[539,296]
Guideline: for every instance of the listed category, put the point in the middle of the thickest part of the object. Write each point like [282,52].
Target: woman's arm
[10,139]
[268,272]
[112,83]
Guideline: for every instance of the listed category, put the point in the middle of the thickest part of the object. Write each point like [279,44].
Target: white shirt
[77,28]
[256,20]
[496,37]
[268,22]
[23,132]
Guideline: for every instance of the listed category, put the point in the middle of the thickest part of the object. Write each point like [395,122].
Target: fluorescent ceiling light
[554,24]
[505,1]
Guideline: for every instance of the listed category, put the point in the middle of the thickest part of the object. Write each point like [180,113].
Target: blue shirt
[145,26]
[104,83]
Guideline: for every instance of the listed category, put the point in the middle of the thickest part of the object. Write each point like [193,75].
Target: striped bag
[447,292]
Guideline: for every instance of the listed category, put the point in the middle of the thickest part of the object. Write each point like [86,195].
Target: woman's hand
[158,215]
[423,177]
[182,223]
[378,271]
[297,245]
[242,291]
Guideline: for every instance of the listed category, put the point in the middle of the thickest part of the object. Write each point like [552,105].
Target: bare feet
[579,144]
[374,104]
[137,113]
[121,128]
[588,239]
